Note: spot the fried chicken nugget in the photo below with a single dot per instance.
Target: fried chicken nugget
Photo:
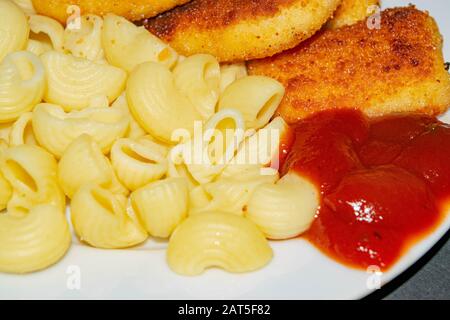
(130, 9)
(351, 11)
(397, 68)
(237, 30)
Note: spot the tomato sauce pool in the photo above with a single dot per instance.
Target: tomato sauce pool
(384, 182)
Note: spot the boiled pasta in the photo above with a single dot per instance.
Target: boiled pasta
(223, 134)
(55, 129)
(73, 82)
(286, 209)
(5, 129)
(22, 84)
(230, 194)
(161, 205)
(31, 172)
(83, 162)
(215, 239)
(256, 97)
(135, 130)
(85, 41)
(259, 153)
(157, 104)
(101, 220)
(14, 28)
(230, 73)
(138, 162)
(127, 45)
(26, 6)
(34, 240)
(198, 78)
(22, 131)
(48, 32)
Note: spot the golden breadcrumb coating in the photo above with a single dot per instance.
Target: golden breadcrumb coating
(130, 9)
(352, 11)
(397, 68)
(237, 30)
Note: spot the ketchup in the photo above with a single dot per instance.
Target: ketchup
(384, 182)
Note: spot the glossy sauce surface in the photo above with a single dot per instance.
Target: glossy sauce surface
(384, 182)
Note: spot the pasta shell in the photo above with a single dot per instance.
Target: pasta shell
(22, 84)
(198, 78)
(85, 41)
(259, 152)
(74, 82)
(127, 45)
(286, 209)
(138, 163)
(161, 206)
(229, 73)
(83, 162)
(48, 32)
(26, 6)
(100, 219)
(256, 97)
(135, 130)
(233, 194)
(220, 240)
(14, 28)
(31, 171)
(5, 192)
(55, 130)
(22, 131)
(157, 104)
(206, 156)
(34, 240)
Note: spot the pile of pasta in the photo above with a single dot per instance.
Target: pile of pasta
(87, 117)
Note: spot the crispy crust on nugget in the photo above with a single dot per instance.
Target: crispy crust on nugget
(237, 30)
(130, 9)
(397, 68)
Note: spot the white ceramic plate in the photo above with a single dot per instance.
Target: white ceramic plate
(298, 271)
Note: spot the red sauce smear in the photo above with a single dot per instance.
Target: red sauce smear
(384, 182)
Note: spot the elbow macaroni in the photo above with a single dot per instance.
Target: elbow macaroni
(138, 162)
(286, 209)
(229, 194)
(22, 131)
(83, 162)
(256, 97)
(198, 78)
(55, 129)
(101, 220)
(161, 206)
(22, 84)
(73, 82)
(135, 131)
(34, 233)
(215, 239)
(86, 41)
(223, 135)
(127, 45)
(230, 73)
(47, 32)
(33, 241)
(157, 104)
(117, 96)
(14, 28)
(31, 172)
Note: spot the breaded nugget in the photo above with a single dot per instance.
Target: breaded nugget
(350, 12)
(397, 68)
(237, 30)
(130, 9)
